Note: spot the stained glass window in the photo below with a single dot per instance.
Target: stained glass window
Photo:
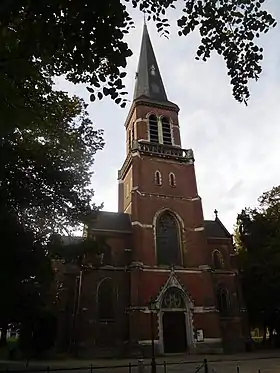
(168, 240)
(105, 300)
(218, 260)
(173, 299)
(223, 301)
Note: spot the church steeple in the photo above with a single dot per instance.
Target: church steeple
(148, 79)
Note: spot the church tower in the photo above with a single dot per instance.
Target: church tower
(172, 283)
(158, 175)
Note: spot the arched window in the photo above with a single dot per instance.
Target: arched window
(158, 179)
(168, 240)
(105, 300)
(172, 180)
(153, 128)
(218, 260)
(223, 300)
(173, 299)
(166, 131)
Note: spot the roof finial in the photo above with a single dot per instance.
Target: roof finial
(216, 213)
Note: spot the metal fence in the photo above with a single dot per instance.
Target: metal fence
(141, 366)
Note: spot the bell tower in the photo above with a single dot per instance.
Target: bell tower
(158, 174)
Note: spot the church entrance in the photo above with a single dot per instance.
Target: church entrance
(174, 332)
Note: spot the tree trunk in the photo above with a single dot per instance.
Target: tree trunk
(3, 339)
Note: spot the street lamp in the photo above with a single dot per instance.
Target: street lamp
(153, 310)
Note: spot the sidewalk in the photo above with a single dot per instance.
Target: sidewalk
(110, 363)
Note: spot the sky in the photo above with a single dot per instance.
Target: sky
(236, 148)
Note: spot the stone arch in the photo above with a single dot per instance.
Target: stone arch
(164, 209)
(172, 179)
(158, 178)
(168, 239)
(105, 300)
(176, 306)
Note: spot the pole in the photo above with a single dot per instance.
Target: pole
(206, 370)
(153, 362)
(76, 313)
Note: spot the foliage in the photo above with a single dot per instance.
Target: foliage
(38, 334)
(81, 252)
(46, 150)
(25, 272)
(84, 40)
(257, 238)
(47, 144)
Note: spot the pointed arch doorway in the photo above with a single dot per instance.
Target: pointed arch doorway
(176, 325)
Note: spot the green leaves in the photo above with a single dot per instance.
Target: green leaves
(229, 28)
(85, 41)
(257, 239)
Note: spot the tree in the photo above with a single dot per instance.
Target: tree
(84, 40)
(257, 240)
(25, 273)
(47, 145)
(45, 169)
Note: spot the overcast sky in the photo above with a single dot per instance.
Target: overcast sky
(236, 148)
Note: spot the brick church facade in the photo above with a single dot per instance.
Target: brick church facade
(168, 275)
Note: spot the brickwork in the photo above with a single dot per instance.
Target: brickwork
(159, 178)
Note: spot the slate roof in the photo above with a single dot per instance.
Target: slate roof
(112, 221)
(214, 228)
(121, 222)
(148, 79)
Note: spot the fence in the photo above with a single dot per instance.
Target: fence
(137, 367)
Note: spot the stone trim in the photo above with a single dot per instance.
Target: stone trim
(159, 195)
(109, 231)
(167, 270)
(211, 340)
(148, 342)
(154, 104)
(225, 272)
(201, 309)
(137, 308)
(136, 222)
(127, 207)
(199, 229)
(195, 310)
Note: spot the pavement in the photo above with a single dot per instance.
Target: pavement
(260, 362)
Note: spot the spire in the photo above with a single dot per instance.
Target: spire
(148, 80)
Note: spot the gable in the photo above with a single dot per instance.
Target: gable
(173, 282)
(215, 229)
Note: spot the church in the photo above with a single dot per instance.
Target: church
(168, 282)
